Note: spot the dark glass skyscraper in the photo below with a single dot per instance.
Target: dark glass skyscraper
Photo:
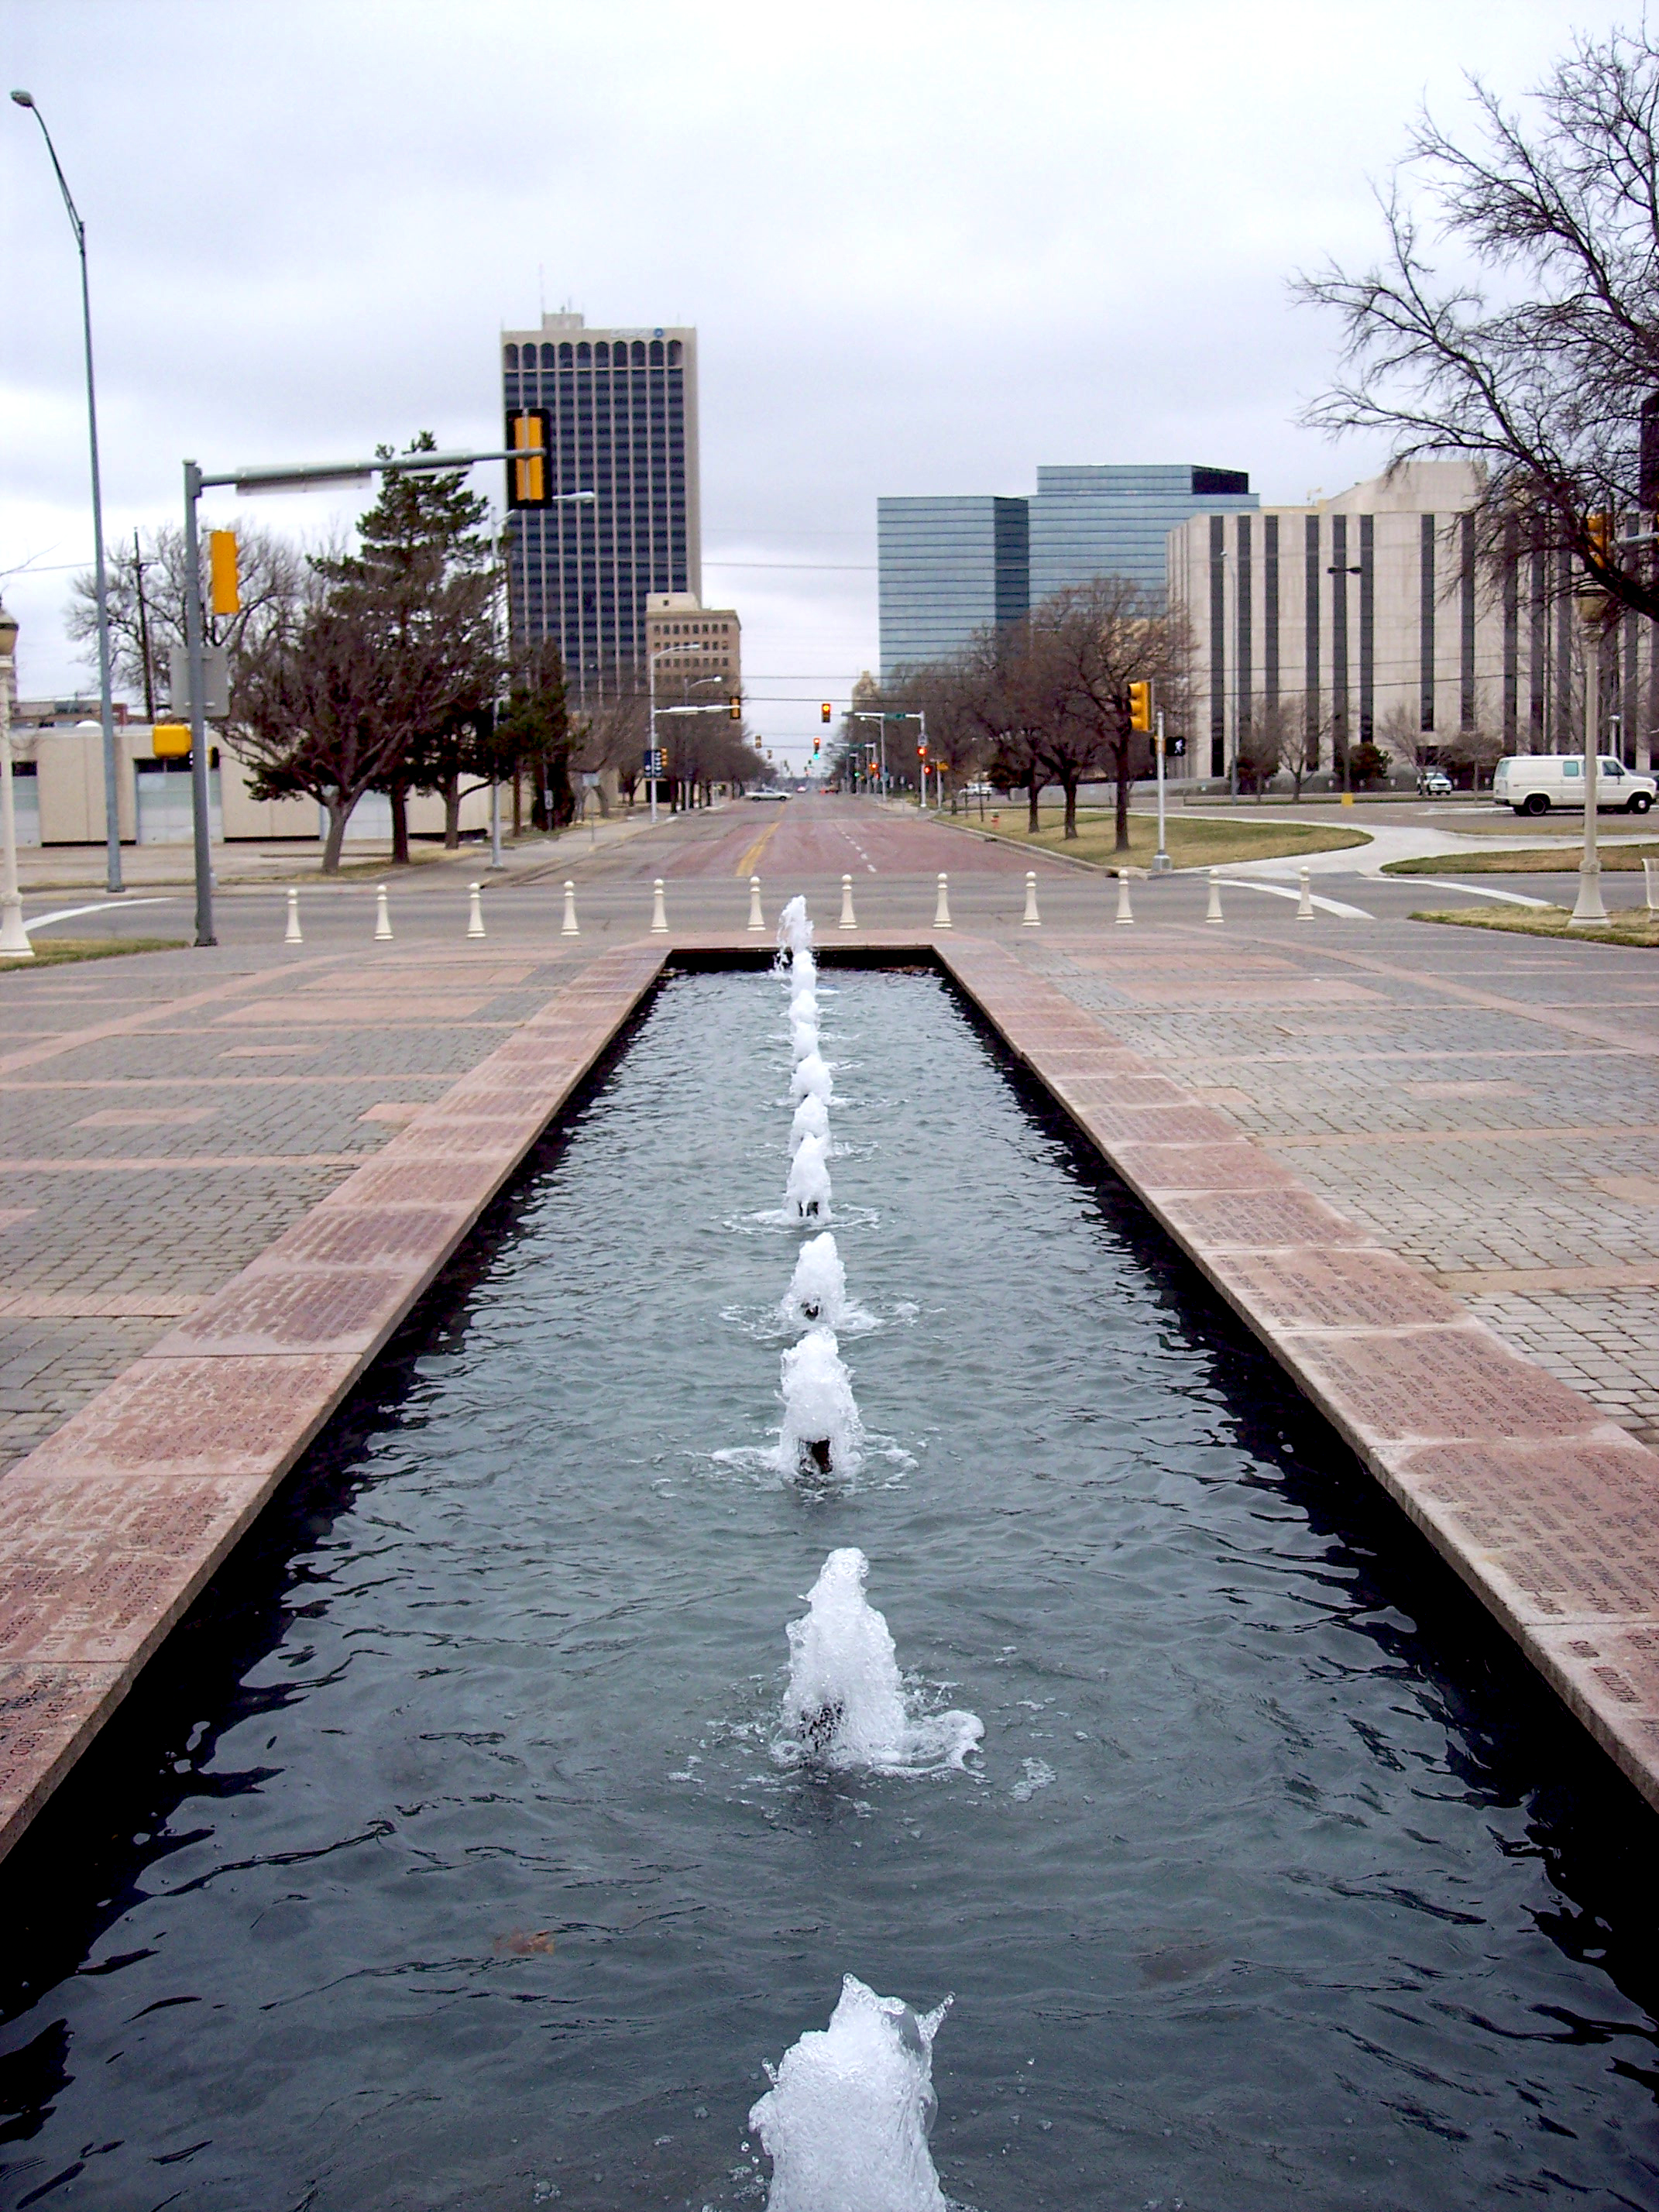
(622, 410)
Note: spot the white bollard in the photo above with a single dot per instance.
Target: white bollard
(1304, 901)
(756, 919)
(1123, 911)
(1030, 919)
(659, 913)
(382, 918)
(292, 935)
(1650, 877)
(475, 910)
(1213, 912)
(569, 928)
(942, 908)
(848, 921)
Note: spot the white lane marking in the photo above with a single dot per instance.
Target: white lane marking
(104, 906)
(1511, 898)
(1283, 891)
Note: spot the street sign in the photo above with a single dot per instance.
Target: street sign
(215, 681)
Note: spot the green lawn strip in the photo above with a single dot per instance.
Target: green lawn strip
(1636, 925)
(54, 951)
(1191, 844)
(1535, 861)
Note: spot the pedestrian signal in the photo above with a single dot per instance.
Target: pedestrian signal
(529, 482)
(1140, 706)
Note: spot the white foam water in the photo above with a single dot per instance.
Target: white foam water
(847, 2119)
(808, 1187)
(817, 1289)
(822, 1431)
(845, 1704)
(795, 929)
(811, 1119)
(813, 1079)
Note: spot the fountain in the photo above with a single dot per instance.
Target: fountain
(822, 1431)
(811, 1119)
(795, 930)
(817, 1289)
(811, 1078)
(845, 1704)
(847, 2119)
(808, 1187)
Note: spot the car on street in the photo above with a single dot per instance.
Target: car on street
(1532, 783)
(1435, 783)
(766, 791)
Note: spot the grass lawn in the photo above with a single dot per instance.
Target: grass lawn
(1192, 843)
(1635, 925)
(1539, 860)
(55, 951)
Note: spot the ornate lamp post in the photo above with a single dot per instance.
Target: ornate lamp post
(1593, 605)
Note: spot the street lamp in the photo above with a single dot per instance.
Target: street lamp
(106, 709)
(13, 938)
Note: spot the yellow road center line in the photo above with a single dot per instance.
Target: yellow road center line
(751, 861)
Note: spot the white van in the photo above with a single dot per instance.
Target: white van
(1531, 783)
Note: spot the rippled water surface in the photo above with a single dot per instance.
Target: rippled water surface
(445, 1861)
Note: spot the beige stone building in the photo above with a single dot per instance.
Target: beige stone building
(1370, 616)
(703, 646)
(58, 789)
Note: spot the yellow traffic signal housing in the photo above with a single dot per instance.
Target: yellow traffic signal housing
(824, 712)
(1598, 528)
(223, 582)
(528, 482)
(170, 741)
(734, 708)
(1140, 706)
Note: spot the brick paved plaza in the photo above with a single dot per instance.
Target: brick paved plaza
(1481, 1106)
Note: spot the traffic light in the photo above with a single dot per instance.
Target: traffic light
(816, 742)
(222, 572)
(734, 708)
(824, 712)
(1599, 529)
(1140, 706)
(528, 482)
(170, 741)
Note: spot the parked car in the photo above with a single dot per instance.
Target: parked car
(1434, 783)
(1532, 783)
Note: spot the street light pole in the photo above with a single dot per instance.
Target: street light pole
(106, 705)
(13, 938)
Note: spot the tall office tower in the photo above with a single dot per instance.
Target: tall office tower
(1113, 521)
(947, 567)
(622, 411)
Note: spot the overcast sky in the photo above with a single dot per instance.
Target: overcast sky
(925, 247)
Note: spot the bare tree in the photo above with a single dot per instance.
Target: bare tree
(1538, 373)
(271, 572)
(1106, 635)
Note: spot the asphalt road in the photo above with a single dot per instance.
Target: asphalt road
(807, 845)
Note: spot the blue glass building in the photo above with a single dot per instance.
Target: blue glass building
(951, 566)
(623, 408)
(948, 567)
(1115, 521)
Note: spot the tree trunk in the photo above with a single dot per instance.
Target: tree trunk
(518, 802)
(1034, 790)
(452, 789)
(399, 796)
(1069, 786)
(1121, 821)
(338, 811)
